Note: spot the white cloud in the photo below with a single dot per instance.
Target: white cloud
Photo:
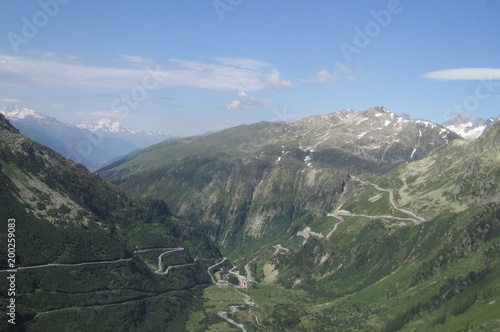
(136, 60)
(324, 76)
(244, 103)
(105, 114)
(346, 71)
(242, 62)
(273, 80)
(464, 74)
(209, 73)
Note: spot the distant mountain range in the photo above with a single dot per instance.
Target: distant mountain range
(467, 127)
(100, 143)
(94, 145)
(347, 221)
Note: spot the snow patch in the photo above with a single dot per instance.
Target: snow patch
(283, 152)
(364, 119)
(467, 130)
(426, 123)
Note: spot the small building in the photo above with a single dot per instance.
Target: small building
(243, 282)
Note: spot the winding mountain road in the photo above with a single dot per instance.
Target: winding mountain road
(159, 271)
(341, 220)
(212, 266)
(415, 218)
(160, 263)
(36, 267)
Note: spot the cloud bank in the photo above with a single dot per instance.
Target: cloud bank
(226, 74)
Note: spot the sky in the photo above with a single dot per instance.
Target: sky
(186, 67)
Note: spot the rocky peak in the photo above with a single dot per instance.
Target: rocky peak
(467, 127)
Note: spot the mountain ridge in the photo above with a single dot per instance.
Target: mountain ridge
(396, 138)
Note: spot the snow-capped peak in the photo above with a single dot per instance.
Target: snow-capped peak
(468, 128)
(107, 125)
(14, 112)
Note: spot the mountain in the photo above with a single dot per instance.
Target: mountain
(467, 127)
(87, 255)
(414, 249)
(93, 145)
(260, 180)
(137, 137)
(349, 221)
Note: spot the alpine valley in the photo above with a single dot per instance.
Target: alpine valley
(364, 221)
(350, 221)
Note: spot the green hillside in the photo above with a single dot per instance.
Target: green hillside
(66, 216)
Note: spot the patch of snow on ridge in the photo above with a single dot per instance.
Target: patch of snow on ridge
(307, 160)
(426, 123)
(362, 120)
(467, 130)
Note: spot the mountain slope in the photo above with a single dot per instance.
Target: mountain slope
(434, 274)
(338, 234)
(414, 249)
(95, 236)
(265, 180)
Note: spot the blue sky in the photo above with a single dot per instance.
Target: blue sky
(187, 67)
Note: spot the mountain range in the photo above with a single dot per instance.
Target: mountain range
(348, 221)
(94, 145)
(374, 221)
(105, 141)
(246, 177)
